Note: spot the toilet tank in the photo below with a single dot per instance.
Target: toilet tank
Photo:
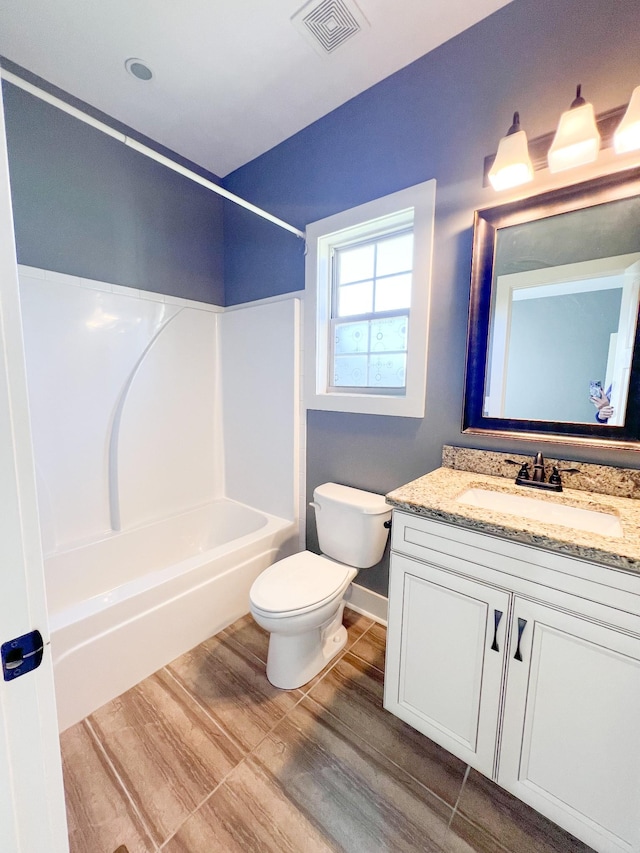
(350, 524)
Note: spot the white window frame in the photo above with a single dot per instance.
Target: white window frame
(412, 205)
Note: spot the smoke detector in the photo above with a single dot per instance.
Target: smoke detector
(328, 24)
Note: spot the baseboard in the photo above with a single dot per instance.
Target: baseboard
(367, 602)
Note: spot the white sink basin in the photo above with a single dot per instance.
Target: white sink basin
(538, 509)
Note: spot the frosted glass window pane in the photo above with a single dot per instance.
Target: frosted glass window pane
(355, 264)
(350, 370)
(395, 255)
(393, 293)
(351, 337)
(355, 299)
(390, 334)
(387, 371)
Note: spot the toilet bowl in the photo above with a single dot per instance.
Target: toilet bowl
(300, 600)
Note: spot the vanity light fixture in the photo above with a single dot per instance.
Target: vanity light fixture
(577, 140)
(617, 128)
(512, 165)
(627, 136)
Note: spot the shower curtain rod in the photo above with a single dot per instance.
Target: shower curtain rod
(10, 77)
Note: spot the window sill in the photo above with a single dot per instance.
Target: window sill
(368, 404)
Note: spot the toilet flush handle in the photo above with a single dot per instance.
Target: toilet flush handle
(314, 505)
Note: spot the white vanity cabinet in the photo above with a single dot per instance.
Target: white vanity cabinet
(451, 652)
(544, 698)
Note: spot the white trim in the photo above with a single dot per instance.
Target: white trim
(368, 603)
(564, 288)
(151, 295)
(415, 203)
(32, 813)
(301, 473)
(279, 297)
(577, 277)
(119, 289)
(145, 150)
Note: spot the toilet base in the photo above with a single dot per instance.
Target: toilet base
(294, 659)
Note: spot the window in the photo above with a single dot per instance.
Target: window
(368, 272)
(371, 300)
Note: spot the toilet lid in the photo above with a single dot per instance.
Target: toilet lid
(298, 582)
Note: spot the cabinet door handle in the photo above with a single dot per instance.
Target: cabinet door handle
(521, 627)
(497, 616)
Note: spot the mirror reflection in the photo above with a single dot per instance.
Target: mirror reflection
(561, 341)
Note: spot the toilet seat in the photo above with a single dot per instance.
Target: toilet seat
(298, 584)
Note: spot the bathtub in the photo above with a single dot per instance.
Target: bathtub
(124, 606)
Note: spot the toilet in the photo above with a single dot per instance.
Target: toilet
(300, 600)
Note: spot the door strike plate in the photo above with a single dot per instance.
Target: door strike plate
(21, 655)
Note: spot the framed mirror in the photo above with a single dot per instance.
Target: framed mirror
(553, 347)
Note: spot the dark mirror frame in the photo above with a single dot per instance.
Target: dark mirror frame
(487, 223)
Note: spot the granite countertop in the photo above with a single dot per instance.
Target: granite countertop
(434, 496)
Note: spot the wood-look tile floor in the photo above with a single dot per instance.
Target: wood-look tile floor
(205, 756)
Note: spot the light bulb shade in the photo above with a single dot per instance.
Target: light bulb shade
(577, 140)
(627, 136)
(512, 165)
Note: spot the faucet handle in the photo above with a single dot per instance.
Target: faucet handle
(554, 479)
(523, 473)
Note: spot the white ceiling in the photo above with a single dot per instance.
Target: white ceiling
(232, 78)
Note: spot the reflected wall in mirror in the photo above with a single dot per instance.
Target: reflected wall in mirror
(553, 333)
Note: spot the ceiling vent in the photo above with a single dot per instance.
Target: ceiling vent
(328, 24)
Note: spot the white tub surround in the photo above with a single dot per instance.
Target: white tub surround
(163, 494)
(122, 392)
(260, 366)
(164, 447)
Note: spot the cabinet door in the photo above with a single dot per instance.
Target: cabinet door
(445, 655)
(571, 730)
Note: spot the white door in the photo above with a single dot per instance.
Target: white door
(445, 655)
(32, 814)
(571, 739)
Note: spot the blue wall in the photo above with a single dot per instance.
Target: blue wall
(87, 205)
(437, 118)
